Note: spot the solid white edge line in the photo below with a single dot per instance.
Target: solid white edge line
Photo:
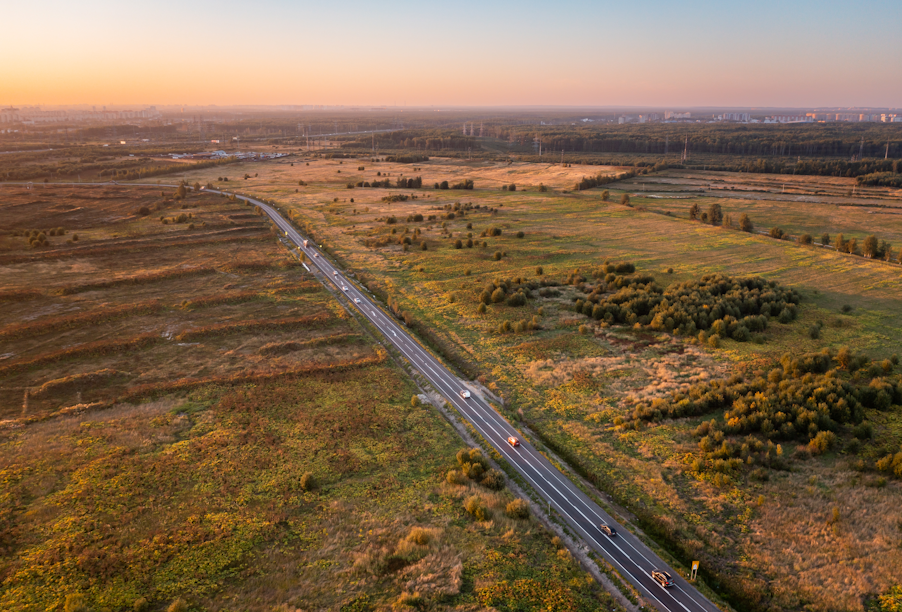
(493, 416)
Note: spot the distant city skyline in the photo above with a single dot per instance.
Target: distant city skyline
(801, 54)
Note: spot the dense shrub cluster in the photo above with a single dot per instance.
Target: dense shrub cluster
(518, 327)
(180, 218)
(884, 179)
(410, 183)
(407, 159)
(395, 197)
(590, 182)
(515, 292)
(807, 398)
(517, 509)
(473, 466)
(729, 307)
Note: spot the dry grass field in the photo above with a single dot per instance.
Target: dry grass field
(185, 413)
(796, 204)
(774, 543)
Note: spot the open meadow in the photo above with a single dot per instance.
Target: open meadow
(528, 290)
(187, 414)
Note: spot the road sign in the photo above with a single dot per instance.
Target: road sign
(694, 570)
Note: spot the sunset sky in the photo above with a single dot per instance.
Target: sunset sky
(765, 53)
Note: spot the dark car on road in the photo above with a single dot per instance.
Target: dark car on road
(662, 578)
(606, 529)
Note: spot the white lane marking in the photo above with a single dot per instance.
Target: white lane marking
(687, 594)
(558, 491)
(494, 417)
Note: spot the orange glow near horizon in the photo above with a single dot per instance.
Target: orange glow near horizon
(517, 55)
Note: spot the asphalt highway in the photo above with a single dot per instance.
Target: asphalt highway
(628, 554)
(624, 551)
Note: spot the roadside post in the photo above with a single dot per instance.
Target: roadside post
(694, 571)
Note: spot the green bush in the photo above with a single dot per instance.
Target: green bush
(517, 509)
(307, 482)
(516, 299)
(822, 442)
(493, 480)
(75, 603)
(456, 477)
(178, 605)
(475, 506)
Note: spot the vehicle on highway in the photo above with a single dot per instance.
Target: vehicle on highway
(465, 394)
(343, 288)
(316, 254)
(662, 578)
(334, 272)
(606, 529)
(305, 243)
(356, 300)
(513, 441)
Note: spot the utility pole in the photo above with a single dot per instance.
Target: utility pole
(860, 149)
(886, 155)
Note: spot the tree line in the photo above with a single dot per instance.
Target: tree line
(808, 140)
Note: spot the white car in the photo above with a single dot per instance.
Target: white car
(343, 288)
(465, 394)
(334, 272)
(316, 254)
(356, 300)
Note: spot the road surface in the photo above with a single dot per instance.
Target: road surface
(624, 551)
(628, 554)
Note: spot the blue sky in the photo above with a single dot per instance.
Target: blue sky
(463, 53)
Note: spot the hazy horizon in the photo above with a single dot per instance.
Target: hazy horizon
(575, 54)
